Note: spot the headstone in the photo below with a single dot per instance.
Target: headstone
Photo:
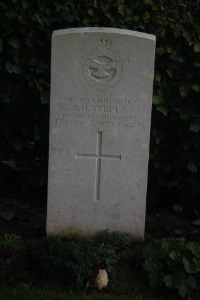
(101, 91)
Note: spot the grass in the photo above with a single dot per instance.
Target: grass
(34, 294)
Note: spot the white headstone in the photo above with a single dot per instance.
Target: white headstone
(101, 93)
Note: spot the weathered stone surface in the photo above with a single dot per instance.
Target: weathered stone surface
(101, 90)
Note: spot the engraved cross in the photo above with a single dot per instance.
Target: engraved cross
(98, 157)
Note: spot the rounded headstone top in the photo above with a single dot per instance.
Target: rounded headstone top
(104, 30)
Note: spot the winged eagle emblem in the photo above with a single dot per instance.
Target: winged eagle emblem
(99, 69)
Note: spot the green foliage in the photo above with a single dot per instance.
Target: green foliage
(10, 241)
(116, 240)
(52, 294)
(76, 260)
(173, 262)
(26, 28)
(52, 256)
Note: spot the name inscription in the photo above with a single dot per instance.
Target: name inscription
(98, 112)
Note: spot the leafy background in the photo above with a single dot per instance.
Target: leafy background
(25, 44)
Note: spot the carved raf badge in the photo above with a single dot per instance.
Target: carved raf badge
(102, 68)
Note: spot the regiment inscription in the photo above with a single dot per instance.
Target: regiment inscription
(100, 112)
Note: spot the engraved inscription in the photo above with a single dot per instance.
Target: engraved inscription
(98, 157)
(102, 68)
(99, 112)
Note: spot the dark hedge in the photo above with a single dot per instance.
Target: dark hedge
(26, 29)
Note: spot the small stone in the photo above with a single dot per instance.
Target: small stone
(6, 215)
(23, 286)
(196, 223)
(178, 207)
(101, 281)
